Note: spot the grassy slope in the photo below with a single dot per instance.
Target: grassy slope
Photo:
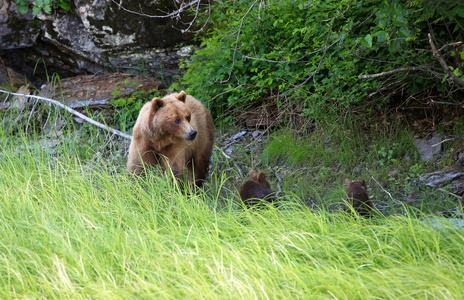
(313, 166)
(70, 229)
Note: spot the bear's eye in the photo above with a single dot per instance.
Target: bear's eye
(188, 119)
(177, 121)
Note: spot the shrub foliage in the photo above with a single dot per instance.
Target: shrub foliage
(311, 53)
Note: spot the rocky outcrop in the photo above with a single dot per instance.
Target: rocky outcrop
(17, 30)
(95, 36)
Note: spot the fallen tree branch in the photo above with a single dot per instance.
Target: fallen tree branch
(443, 64)
(389, 72)
(72, 111)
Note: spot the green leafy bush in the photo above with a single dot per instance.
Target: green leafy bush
(311, 53)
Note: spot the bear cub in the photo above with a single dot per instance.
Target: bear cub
(256, 188)
(175, 132)
(356, 195)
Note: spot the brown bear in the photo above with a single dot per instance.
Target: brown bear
(254, 188)
(176, 132)
(356, 196)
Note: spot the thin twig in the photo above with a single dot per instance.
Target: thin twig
(446, 103)
(394, 201)
(450, 44)
(448, 139)
(389, 72)
(175, 13)
(223, 153)
(338, 16)
(72, 111)
(362, 23)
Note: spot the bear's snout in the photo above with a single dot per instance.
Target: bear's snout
(191, 135)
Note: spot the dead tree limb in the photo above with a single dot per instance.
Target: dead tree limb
(443, 64)
(72, 111)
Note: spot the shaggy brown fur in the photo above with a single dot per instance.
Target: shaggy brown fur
(356, 195)
(177, 132)
(254, 188)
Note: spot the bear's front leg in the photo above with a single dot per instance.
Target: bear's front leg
(140, 153)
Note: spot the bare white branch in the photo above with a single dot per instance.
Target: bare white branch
(389, 72)
(72, 111)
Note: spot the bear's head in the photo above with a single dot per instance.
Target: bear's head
(259, 178)
(170, 116)
(356, 189)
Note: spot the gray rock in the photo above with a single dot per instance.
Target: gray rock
(239, 135)
(428, 148)
(96, 36)
(440, 178)
(17, 30)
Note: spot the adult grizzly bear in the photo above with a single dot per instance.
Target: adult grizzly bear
(177, 132)
(254, 188)
(356, 195)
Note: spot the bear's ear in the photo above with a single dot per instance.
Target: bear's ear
(253, 175)
(262, 177)
(347, 182)
(363, 183)
(156, 104)
(181, 96)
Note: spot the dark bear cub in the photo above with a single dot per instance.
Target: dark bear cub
(356, 195)
(255, 189)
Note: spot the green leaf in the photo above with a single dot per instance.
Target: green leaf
(47, 9)
(457, 72)
(401, 19)
(36, 10)
(23, 9)
(382, 36)
(64, 5)
(367, 41)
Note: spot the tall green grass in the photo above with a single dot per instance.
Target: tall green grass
(77, 228)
